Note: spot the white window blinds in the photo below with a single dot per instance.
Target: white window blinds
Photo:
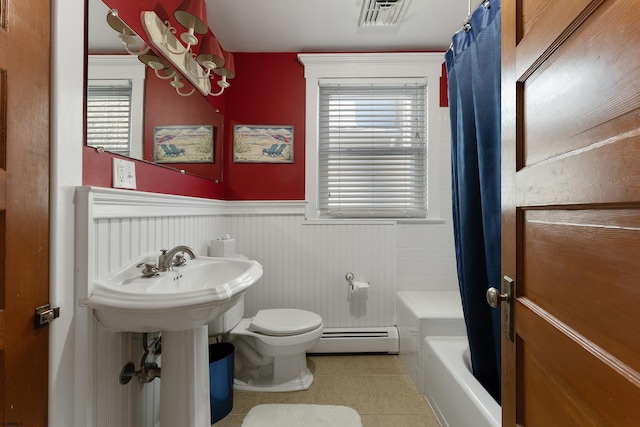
(372, 151)
(109, 117)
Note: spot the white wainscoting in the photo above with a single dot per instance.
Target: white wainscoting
(426, 257)
(112, 227)
(304, 263)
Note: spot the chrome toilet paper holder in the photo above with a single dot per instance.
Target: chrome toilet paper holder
(350, 277)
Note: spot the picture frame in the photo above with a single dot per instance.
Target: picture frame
(263, 144)
(183, 144)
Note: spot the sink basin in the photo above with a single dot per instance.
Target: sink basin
(178, 303)
(184, 298)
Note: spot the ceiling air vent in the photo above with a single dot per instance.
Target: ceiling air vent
(382, 13)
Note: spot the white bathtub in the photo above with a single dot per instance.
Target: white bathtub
(425, 314)
(455, 395)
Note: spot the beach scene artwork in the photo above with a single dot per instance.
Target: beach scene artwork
(183, 144)
(262, 144)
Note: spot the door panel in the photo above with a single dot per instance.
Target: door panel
(545, 409)
(24, 205)
(571, 212)
(606, 172)
(580, 94)
(577, 267)
(583, 378)
(540, 24)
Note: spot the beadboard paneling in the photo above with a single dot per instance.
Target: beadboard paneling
(305, 267)
(304, 263)
(113, 227)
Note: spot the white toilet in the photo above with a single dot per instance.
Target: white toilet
(270, 347)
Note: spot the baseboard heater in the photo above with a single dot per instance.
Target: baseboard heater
(358, 340)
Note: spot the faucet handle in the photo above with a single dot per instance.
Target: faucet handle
(179, 261)
(148, 270)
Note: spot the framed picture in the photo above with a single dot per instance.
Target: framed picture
(183, 144)
(262, 144)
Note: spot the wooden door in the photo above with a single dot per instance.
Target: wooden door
(24, 209)
(571, 211)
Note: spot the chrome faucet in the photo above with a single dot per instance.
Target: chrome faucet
(166, 259)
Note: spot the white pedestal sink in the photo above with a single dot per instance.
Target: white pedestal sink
(184, 390)
(179, 303)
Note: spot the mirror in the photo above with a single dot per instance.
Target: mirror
(181, 132)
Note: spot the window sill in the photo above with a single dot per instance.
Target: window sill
(422, 221)
(356, 221)
(353, 221)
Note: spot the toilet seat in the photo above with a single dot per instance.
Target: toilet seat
(284, 322)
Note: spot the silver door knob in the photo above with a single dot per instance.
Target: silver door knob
(494, 297)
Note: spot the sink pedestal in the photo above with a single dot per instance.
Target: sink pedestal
(185, 299)
(184, 384)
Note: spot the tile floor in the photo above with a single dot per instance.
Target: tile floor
(377, 386)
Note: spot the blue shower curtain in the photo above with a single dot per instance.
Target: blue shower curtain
(473, 72)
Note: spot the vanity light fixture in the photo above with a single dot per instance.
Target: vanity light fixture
(227, 72)
(192, 14)
(210, 55)
(126, 35)
(177, 84)
(158, 65)
(197, 68)
(212, 58)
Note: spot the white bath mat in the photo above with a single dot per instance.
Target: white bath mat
(289, 415)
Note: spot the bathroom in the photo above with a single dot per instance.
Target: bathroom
(258, 213)
(305, 262)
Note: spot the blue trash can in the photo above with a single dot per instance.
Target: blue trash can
(220, 380)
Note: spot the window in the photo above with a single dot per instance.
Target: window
(372, 150)
(109, 115)
(371, 136)
(115, 84)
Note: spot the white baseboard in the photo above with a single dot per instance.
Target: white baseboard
(358, 340)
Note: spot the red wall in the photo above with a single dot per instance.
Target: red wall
(96, 171)
(269, 90)
(444, 87)
(164, 107)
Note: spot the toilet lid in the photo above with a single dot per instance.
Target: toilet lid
(284, 321)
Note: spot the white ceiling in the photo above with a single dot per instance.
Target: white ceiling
(310, 26)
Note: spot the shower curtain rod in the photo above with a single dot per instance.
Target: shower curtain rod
(465, 25)
(468, 18)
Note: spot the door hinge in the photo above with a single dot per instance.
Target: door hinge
(45, 314)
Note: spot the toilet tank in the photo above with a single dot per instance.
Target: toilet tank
(232, 317)
(228, 320)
